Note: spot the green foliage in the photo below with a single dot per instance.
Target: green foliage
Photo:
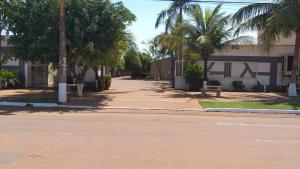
(209, 32)
(145, 61)
(174, 13)
(138, 63)
(214, 83)
(132, 61)
(194, 76)
(238, 85)
(8, 79)
(107, 82)
(96, 30)
(3, 15)
(117, 68)
(34, 25)
(270, 17)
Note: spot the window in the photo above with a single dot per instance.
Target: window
(227, 69)
(290, 63)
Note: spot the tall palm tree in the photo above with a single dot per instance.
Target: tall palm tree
(276, 20)
(173, 13)
(174, 42)
(62, 91)
(210, 33)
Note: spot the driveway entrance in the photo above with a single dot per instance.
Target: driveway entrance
(126, 92)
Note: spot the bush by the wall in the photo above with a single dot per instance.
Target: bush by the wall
(8, 79)
(238, 85)
(194, 76)
(107, 82)
(214, 83)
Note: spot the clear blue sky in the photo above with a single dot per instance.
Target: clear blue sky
(147, 11)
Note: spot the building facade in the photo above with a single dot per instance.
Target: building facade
(252, 65)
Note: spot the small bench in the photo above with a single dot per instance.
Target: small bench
(217, 89)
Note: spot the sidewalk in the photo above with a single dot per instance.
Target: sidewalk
(124, 93)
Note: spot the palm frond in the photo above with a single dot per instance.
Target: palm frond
(251, 11)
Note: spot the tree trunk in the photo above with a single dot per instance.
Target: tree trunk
(95, 68)
(72, 70)
(1, 57)
(101, 82)
(295, 70)
(102, 71)
(205, 60)
(173, 70)
(80, 80)
(62, 90)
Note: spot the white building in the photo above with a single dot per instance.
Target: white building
(252, 65)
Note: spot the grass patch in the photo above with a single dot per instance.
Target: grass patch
(250, 105)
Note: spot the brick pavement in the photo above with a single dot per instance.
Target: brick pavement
(125, 92)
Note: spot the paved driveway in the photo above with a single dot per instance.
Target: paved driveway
(148, 94)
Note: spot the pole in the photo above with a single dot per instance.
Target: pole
(62, 86)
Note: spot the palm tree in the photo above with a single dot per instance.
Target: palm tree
(62, 91)
(173, 13)
(276, 20)
(174, 42)
(210, 33)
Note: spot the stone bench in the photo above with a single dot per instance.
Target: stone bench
(217, 89)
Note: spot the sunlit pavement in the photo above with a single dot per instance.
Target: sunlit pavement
(148, 141)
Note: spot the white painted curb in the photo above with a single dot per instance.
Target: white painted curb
(17, 104)
(237, 110)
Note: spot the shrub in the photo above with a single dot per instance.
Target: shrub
(214, 83)
(238, 85)
(8, 79)
(107, 82)
(194, 76)
(104, 82)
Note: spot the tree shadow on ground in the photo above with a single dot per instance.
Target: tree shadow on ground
(90, 98)
(8, 111)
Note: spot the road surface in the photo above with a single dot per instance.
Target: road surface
(148, 141)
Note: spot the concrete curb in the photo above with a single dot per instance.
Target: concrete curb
(237, 110)
(229, 110)
(140, 108)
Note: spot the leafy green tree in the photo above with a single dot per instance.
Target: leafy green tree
(175, 43)
(132, 61)
(95, 32)
(279, 19)
(117, 68)
(3, 26)
(34, 28)
(209, 33)
(137, 62)
(146, 61)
